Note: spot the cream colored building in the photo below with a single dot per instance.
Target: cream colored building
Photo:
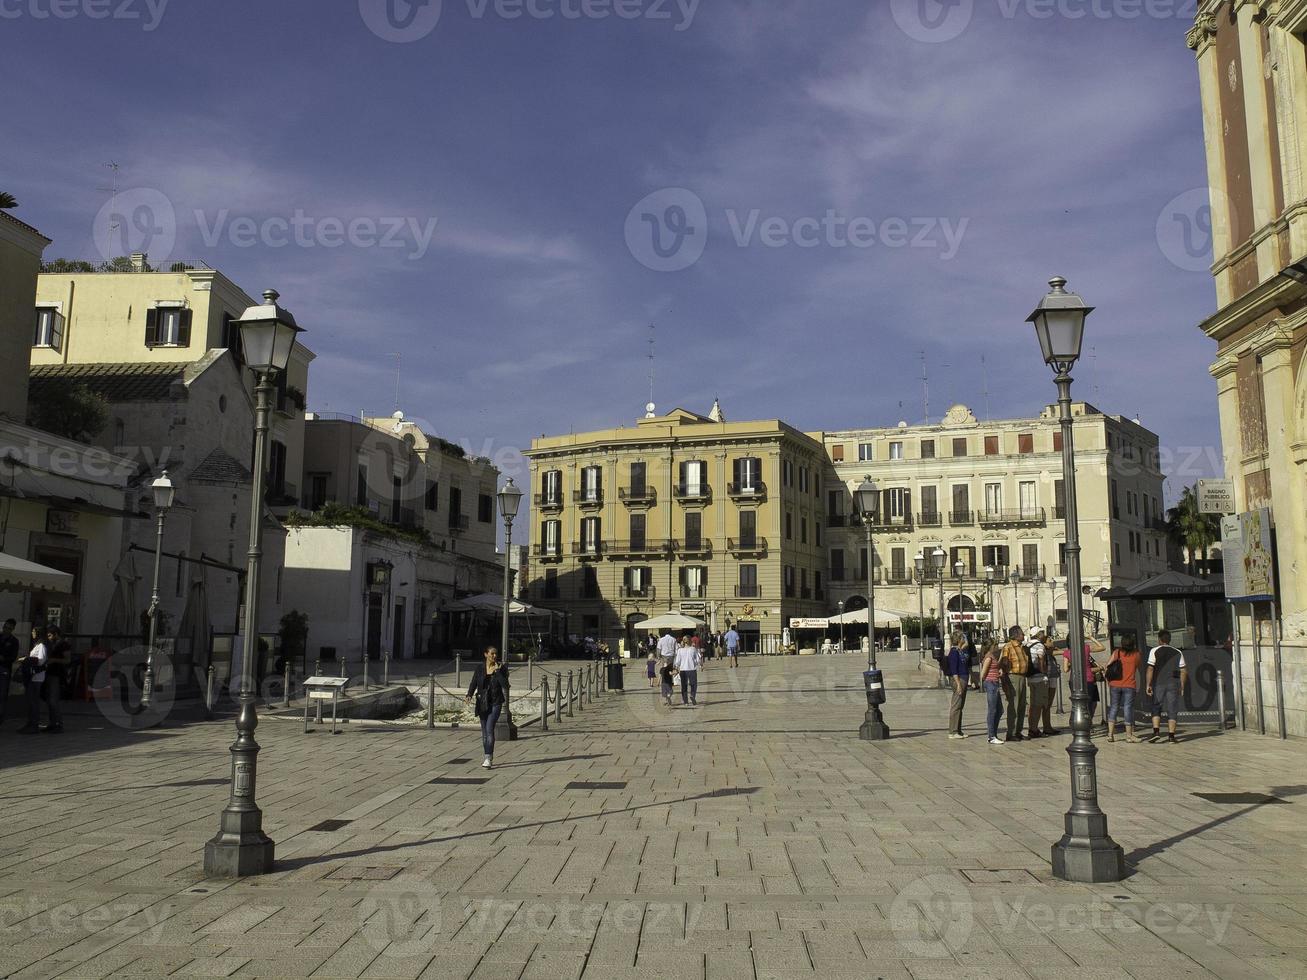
(717, 519)
(1252, 72)
(990, 494)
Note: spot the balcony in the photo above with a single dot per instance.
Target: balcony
(747, 546)
(457, 523)
(1059, 513)
(898, 576)
(693, 495)
(548, 501)
(748, 592)
(1026, 517)
(638, 592)
(837, 520)
(588, 550)
(1030, 573)
(701, 547)
(645, 496)
(747, 491)
(547, 552)
(962, 518)
(805, 592)
(588, 498)
(638, 548)
(932, 518)
(407, 517)
(891, 522)
(694, 592)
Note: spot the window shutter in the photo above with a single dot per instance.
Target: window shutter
(682, 470)
(737, 468)
(57, 330)
(152, 327)
(184, 328)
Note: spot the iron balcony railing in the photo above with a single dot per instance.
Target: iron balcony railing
(747, 546)
(747, 491)
(1026, 516)
(962, 518)
(457, 523)
(639, 592)
(899, 576)
(638, 547)
(548, 551)
(930, 518)
(693, 494)
(891, 522)
(837, 520)
(549, 501)
(692, 547)
(588, 498)
(638, 496)
(748, 592)
(588, 549)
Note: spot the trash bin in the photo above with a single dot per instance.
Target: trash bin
(615, 676)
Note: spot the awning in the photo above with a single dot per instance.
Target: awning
(492, 603)
(670, 621)
(884, 617)
(21, 575)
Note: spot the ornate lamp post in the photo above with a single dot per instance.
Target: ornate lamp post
(873, 726)
(919, 562)
(989, 595)
(959, 567)
(163, 497)
(938, 559)
(241, 847)
(840, 606)
(510, 497)
(1086, 851)
(1014, 577)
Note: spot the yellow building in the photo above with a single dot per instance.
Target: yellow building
(716, 519)
(1252, 69)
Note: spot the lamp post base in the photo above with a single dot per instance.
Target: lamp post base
(873, 728)
(1086, 858)
(241, 848)
(504, 727)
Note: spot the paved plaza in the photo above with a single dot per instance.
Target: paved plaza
(752, 836)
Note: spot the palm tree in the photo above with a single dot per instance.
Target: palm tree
(1191, 529)
(7, 200)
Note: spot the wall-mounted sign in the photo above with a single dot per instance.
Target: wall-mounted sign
(1216, 496)
(61, 522)
(808, 624)
(1246, 553)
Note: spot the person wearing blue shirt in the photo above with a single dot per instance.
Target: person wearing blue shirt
(957, 670)
(733, 646)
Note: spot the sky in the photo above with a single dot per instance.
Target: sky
(491, 201)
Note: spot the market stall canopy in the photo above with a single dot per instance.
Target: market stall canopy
(884, 617)
(671, 621)
(18, 574)
(1168, 585)
(491, 602)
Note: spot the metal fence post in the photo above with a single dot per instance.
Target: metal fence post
(1220, 698)
(458, 670)
(569, 694)
(208, 693)
(365, 670)
(286, 687)
(558, 697)
(530, 671)
(544, 704)
(431, 701)
(386, 662)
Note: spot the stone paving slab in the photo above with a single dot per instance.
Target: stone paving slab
(755, 837)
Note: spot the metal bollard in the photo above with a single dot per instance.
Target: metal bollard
(530, 672)
(208, 693)
(458, 670)
(1220, 697)
(544, 704)
(365, 670)
(569, 694)
(342, 666)
(558, 697)
(386, 667)
(431, 701)
(286, 687)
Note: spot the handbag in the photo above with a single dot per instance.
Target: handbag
(1115, 669)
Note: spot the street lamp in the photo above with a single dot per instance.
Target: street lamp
(510, 498)
(1086, 851)
(241, 847)
(840, 606)
(919, 560)
(989, 595)
(959, 567)
(873, 726)
(938, 559)
(163, 497)
(1014, 577)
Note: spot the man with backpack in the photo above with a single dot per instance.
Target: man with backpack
(1165, 680)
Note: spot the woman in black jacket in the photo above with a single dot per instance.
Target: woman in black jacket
(489, 688)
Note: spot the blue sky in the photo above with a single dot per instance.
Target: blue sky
(971, 149)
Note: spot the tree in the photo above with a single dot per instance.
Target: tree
(7, 200)
(1188, 528)
(67, 408)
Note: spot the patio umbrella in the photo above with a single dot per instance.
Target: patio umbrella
(191, 646)
(19, 575)
(671, 621)
(120, 619)
(884, 617)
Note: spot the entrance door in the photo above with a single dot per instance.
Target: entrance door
(376, 612)
(54, 609)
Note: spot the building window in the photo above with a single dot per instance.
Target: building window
(816, 526)
(317, 491)
(1027, 497)
(168, 326)
(1030, 560)
(929, 505)
(1057, 440)
(866, 452)
(896, 505)
(896, 450)
(862, 564)
(1116, 503)
(748, 587)
(835, 506)
(787, 473)
(1116, 553)
(960, 446)
(551, 583)
(694, 478)
(637, 581)
(361, 486)
(748, 473)
(590, 539)
(789, 526)
(590, 582)
(396, 498)
(551, 488)
(455, 506)
(965, 554)
(898, 563)
(927, 448)
(789, 581)
(432, 500)
(991, 445)
(1059, 499)
(816, 584)
(803, 584)
(961, 501)
(748, 528)
(1026, 443)
(276, 469)
(485, 508)
(694, 582)
(638, 480)
(837, 564)
(637, 532)
(837, 453)
(550, 534)
(993, 498)
(995, 556)
(231, 338)
(49, 328)
(803, 530)
(592, 484)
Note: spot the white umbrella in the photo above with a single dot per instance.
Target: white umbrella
(884, 617)
(491, 602)
(18, 574)
(671, 621)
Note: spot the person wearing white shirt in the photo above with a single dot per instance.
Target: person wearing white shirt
(667, 646)
(688, 660)
(37, 658)
(1168, 674)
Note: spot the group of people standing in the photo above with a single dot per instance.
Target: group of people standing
(1024, 673)
(41, 672)
(672, 658)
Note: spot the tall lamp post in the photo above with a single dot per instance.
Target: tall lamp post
(1014, 577)
(510, 497)
(989, 596)
(1086, 851)
(241, 847)
(873, 726)
(938, 559)
(919, 561)
(959, 567)
(840, 606)
(163, 497)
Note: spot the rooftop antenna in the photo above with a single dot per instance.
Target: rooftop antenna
(114, 225)
(925, 389)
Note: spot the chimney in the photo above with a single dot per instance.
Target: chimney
(138, 261)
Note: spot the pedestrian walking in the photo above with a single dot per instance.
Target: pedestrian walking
(8, 655)
(1166, 679)
(991, 678)
(33, 675)
(957, 668)
(667, 645)
(58, 661)
(688, 660)
(733, 646)
(489, 692)
(1053, 673)
(667, 672)
(1122, 681)
(1014, 661)
(652, 668)
(1037, 682)
(973, 663)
